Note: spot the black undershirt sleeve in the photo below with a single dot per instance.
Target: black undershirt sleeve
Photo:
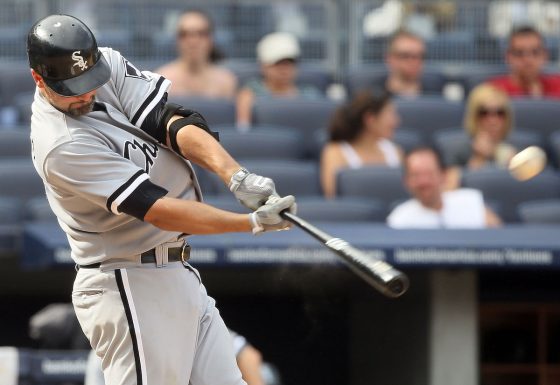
(142, 199)
(152, 124)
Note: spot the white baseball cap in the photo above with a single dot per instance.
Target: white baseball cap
(277, 46)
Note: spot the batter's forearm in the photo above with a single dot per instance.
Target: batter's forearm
(192, 217)
(200, 147)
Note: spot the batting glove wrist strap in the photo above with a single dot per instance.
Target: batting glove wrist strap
(237, 178)
(251, 190)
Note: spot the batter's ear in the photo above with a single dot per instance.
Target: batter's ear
(38, 79)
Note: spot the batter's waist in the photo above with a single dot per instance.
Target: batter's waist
(153, 256)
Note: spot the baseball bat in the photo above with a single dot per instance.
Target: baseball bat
(382, 276)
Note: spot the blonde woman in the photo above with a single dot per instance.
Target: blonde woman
(488, 121)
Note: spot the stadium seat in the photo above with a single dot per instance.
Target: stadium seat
(455, 46)
(15, 79)
(540, 116)
(375, 182)
(427, 115)
(408, 138)
(299, 178)
(554, 144)
(480, 74)
(264, 143)
(341, 210)
(22, 102)
(215, 111)
(304, 115)
(540, 212)
(20, 179)
(499, 185)
(15, 143)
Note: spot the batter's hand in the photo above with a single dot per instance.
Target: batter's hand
(267, 217)
(250, 189)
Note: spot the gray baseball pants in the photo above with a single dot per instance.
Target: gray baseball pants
(154, 326)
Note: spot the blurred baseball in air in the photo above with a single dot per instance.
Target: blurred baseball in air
(528, 163)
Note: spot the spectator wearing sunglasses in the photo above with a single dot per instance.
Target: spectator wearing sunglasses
(278, 55)
(195, 71)
(527, 58)
(405, 63)
(488, 121)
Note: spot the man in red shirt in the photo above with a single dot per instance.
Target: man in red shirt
(526, 57)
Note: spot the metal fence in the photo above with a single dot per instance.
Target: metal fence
(333, 33)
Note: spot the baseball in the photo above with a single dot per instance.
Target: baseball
(528, 163)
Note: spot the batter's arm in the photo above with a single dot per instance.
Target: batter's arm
(191, 217)
(200, 147)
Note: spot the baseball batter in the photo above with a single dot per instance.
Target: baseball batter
(112, 153)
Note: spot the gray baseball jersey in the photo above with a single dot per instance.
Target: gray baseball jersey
(149, 324)
(92, 163)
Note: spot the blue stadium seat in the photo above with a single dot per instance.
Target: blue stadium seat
(540, 212)
(20, 179)
(540, 116)
(215, 111)
(380, 183)
(264, 143)
(499, 185)
(341, 209)
(453, 46)
(15, 79)
(408, 138)
(15, 143)
(304, 115)
(554, 143)
(299, 178)
(22, 102)
(427, 115)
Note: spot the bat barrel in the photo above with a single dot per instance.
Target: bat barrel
(379, 274)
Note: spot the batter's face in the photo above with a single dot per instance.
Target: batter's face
(73, 105)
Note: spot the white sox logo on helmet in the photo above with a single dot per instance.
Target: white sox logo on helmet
(80, 62)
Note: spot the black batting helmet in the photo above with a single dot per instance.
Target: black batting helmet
(64, 52)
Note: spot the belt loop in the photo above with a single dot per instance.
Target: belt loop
(162, 256)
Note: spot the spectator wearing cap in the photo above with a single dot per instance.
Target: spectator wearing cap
(278, 54)
(527, 57)
(430, 206)
(195, 72)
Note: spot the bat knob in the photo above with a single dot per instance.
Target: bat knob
(397, 286)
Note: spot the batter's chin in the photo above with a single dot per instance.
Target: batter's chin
(82, 110)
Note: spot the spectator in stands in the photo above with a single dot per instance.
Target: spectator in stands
(527, 57)
(405, 63)
(488, 121)
(360, 134)
(195, 72)
(278, 55)
(431, 206)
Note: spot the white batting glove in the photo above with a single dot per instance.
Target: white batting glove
(267, 217)
(251, 190)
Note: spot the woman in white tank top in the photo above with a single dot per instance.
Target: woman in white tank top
(360, 134)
